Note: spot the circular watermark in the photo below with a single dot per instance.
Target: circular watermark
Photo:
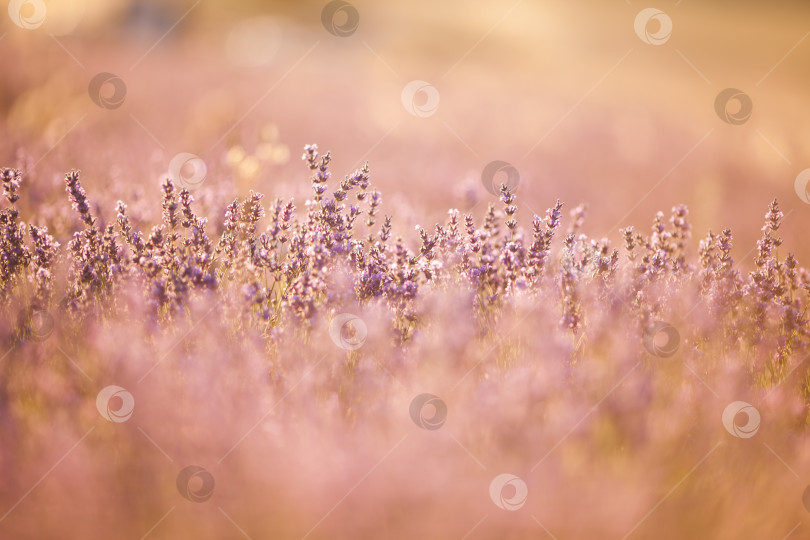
(426, 401)
(497, 173)
(195, 484)
(661, 339)
(27, 14)
(731, 115)
(340, 18)
(187, 170)
(420, 98)
(115, 404)
(107, 90)
(348, 331)
(508, 492)
(747, 429)
(653, 26)
(36, 324)
(802, 186)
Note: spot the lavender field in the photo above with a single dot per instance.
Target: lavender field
(399, 270)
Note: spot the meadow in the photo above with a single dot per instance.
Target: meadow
(213, 327)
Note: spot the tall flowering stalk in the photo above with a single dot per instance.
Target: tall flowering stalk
(278, 267)
(14, 254)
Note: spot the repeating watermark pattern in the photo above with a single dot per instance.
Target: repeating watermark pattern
(661, 339)
(36, 324)
(115, 404)
(735, 116)
(340, 18)
(513, 272)
(802, 186)
(27, 14)
(751, 425)
(348, 331)
(195, 484)
(420, 98)
(417, 410)
(107, 90)
(187, 170)
(653, 26)
(508, 492)
(497, 173)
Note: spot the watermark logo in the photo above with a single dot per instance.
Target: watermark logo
(802, 186)
(195, 484)
(348, 331)
(661, 339)
(115, 404)
(733, 115)
(731, 415)
(420, 98)
(107, 90)
(424, 403)
(340, 18)
(497, 173)
(27, 14)
(508, 492)
(187, 170)
(653, 26)
(36, 324)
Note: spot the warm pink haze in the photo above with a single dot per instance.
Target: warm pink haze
(363, 270)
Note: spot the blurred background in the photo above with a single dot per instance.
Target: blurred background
(585, 105)
(611, 103)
